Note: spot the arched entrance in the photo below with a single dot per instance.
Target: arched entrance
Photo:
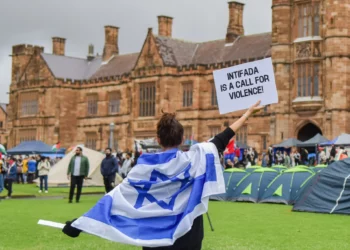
(308, 131)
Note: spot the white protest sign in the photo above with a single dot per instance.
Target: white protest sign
(241, 86)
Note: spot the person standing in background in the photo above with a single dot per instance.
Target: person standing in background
(25, 168)
(127, 165)
(109, 169)
(44, 169)
(38, 159)
(333, 152)
(11, 177)
(270, 153)
(20, 171)
(287, 162)
(78, 170)
(31, 170)
(2, 173)
(256, 156)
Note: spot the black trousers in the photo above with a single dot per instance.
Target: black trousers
(30, 178)
(192, 240)
(109, 182)
(76, 181)
(20, 176)
(8, 186)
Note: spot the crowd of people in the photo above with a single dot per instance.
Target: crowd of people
(24, 170)
(287, 157)
(115, 167)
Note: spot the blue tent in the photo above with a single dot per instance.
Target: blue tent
(232, 177)
(328, 192)
(30, 147)
(318, 168)
(286, 187)
(279, 168)
(252, 187)
(251, 169)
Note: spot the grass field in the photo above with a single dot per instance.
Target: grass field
(32, 189)
(240, 226)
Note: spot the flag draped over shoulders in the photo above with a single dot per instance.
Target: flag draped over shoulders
(159, 200)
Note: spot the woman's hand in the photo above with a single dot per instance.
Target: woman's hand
(254, 109)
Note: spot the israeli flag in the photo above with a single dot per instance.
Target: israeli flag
(159, 200)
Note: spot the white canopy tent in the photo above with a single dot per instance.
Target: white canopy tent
(58, 173)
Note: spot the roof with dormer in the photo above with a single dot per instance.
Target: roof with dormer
(174, 53)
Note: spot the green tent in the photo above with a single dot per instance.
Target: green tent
(232, 177)
(252, 187)
(279, 168)
(251, 169)
(286, 187)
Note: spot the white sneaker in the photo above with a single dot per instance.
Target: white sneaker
(40, 191)
(46, 192)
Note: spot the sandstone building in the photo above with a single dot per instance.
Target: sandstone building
(3, 123)
(54, 97)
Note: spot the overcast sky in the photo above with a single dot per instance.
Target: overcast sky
(81, 22)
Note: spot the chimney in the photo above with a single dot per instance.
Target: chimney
(111, 42)
(58, 46)
(165, 26)
(90, 55)
(235, 26)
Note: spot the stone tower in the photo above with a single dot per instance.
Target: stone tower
(310, 52)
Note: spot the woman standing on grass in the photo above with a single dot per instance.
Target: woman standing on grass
(10, 177)
(170, 136)
(44, 169)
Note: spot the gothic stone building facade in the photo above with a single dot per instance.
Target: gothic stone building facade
(3, 123)
(54, 97)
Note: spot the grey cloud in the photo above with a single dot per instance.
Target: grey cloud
(81, 23)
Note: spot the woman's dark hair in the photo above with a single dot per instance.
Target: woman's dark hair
(169, 131)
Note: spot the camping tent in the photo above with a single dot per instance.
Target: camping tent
(292, 142)
(58, 173)
(251, 169)
(343, 139)
(316, 140)
(232, 177)
(252, 187)
(279, 168)
(286, 187)
(30, 147)
(318, 168)
(328, 192)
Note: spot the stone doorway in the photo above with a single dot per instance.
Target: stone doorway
(308, 131)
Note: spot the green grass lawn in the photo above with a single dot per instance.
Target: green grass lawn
(32, 189)
(240, 226)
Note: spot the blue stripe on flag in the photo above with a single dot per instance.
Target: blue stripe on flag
(154, 159)
(210, 168)
(152, 228)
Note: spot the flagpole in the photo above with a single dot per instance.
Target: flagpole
(211, 225)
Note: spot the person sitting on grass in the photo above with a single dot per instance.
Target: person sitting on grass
(44, 169)
(10, 177)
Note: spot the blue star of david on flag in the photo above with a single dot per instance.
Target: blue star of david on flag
(159, 200)
(143, 188)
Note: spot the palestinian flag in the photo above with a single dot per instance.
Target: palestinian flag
(3, 149)
(56, 147)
